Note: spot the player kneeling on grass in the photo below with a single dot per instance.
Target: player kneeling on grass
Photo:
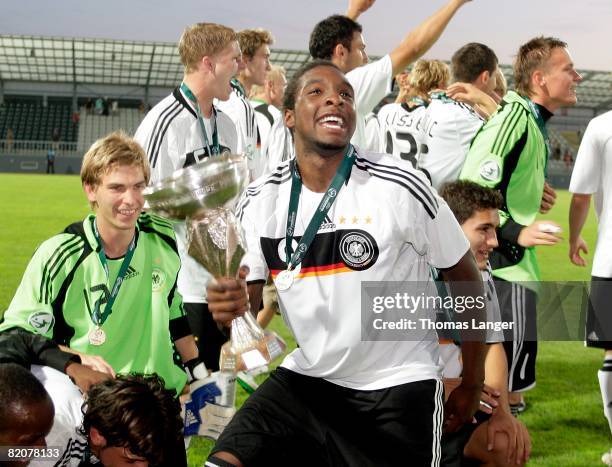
(497, 439)
(105, 288)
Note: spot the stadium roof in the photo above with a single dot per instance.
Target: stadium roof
(137, 63)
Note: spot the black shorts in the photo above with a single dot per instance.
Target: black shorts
(298, 420)
(599, 314)
(518, 305)
(453, 444)
(209, 338)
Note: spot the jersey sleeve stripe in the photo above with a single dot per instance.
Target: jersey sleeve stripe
(247, 199)
(278, 175)
(405, 183)
(153, 136)
(57, 267)
(411, 178)
(427, 207)
(67, 244)
(506, 129)
(165, 124)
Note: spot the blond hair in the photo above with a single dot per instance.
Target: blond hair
(501, 85)
(427, 75)
(532, 56)
(115, 149)
(276, 72)
(203, 39)
(251, 40)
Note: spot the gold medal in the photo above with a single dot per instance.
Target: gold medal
(97, 336)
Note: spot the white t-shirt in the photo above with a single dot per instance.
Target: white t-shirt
(448, 128)
(592, 174)
(172, 138)
(386, 224)
(371, 83)
(240, 110)
(400, 130)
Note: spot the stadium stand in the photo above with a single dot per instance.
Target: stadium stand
(93, 127)
(64, 73)
(31, 120)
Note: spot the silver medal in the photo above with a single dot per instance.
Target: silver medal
(97, 337)
(284, 280)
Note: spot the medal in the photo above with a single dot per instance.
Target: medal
(97, 337)
(284, 280)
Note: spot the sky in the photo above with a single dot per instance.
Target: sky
(502, 24)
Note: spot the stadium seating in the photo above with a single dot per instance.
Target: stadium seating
(33, 121)
(93, 127)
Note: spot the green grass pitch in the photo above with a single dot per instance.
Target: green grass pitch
(564, 418)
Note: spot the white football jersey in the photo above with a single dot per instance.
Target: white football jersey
(592, 174)
(371, 83)
(172, 138)
(386, 224)
(240, 110)
(400, 130)
(448, 128)
(274, 140)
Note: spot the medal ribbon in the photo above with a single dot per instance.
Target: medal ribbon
(293, 259)
(542, 126)
(213, 150)
(97, 317)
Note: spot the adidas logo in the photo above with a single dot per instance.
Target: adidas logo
(327, 224)
(593, 336)
(131, 272)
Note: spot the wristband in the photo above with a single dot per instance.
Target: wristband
(195, 369)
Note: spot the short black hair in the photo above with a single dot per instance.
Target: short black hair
(18, 387)
(472, 59)
(334, 30)
(465, 198)
(294, 82)
(135, 412)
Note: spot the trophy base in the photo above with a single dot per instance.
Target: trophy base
(259, 353)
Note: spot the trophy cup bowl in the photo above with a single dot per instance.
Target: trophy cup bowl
(203, 195)
(215, 182)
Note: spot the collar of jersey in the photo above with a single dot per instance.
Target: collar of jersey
(89, 233)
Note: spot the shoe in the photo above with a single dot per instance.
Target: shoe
(516, 409)
(607, 458)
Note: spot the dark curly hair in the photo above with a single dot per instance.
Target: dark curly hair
(465, 198)
(334, 30)
(135, 412)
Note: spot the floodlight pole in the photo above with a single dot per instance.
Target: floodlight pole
(147, 83)
(75, 105)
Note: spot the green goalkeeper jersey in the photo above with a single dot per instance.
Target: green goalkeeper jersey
(510, 154)
(65, 279)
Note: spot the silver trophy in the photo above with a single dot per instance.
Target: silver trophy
(204, 195)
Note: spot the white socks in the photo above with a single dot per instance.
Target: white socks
(605, 384)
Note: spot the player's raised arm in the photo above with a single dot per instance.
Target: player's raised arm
(420, 40)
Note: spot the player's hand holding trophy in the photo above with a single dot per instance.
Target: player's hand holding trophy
(204, 195)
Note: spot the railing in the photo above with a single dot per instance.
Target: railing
(37, 148)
